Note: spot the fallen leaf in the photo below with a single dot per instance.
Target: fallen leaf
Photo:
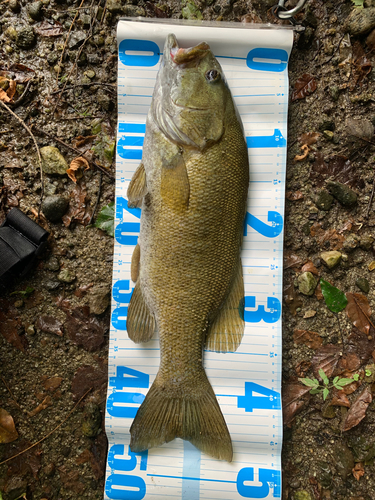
(77, 163)
(4, 96)
(335, 239)
(349, 362)
(71, 480)
(88, 377)
(358, 471)
(292, 299)
(49, 324)
(106, 219)
(12, 89)
(295, 396)
(305, 152)
(304, 86)
(82, 291)
(293, 261)
(326, 358)
(294, 196)
(334, 298)
(42, 406)
(361, 64)
(84, 328)
(48, 29)
(309, 138)
(371, 266)
(8, 431)
(99, 455)
(310, 268)
(311, 339)
(28, 462)
(51, 384)
(340, 399)
(81, 140)
(359, 312)
(78, 210)
(338, 168)
(357, 412)
(10, 325)
(302, 368)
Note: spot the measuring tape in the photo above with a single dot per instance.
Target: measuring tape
(247, 383)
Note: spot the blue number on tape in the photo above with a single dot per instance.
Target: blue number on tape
(261, 227)
(121, 293)
(277, 140)
(268, 477)
(134, 128)
(270, 400)
(130, 52)
(126, 464)
(117, 404)
(271, 316)
(262, 59)
(135, 378)
(116, 484)
(126, 227)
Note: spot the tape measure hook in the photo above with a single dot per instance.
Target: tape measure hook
(280, 11)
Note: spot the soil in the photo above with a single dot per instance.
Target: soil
(51, 375)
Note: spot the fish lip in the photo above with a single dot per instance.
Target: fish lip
(188, 107)
(171, 45)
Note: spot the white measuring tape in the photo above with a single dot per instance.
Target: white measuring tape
(247, 383)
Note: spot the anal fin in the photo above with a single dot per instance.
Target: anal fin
(226, 331)
(137, 188)
(140, 323)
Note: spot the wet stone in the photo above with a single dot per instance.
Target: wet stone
(53, 161)
(90, 73)
(324, 200)
(295, 483)
(328, 134)
(76, 39)
(363, 284)
(52, 285)
(26, 38)
(52, 58)
(66, 276)
(54, 207)
(351, 243)
(302, 495)
(307, 283)
(366, 241)
(99, 299)
(14, 6)
(342, 193)
(343, 459)
(360, 21)
(11, 33)
(52, 264)
(35, 10)
(331, 258)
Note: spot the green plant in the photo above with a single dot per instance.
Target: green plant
(337, 382)
(24, 293)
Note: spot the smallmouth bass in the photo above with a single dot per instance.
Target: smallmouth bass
(192, 185)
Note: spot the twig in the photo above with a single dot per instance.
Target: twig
(53, 430)
(79, 117)
(66, 41)
(371, 199)
(36, 146)
(112, 87)
(99, 167)
(104, 11)
(21, 98)
(97, 198)
(10, 392)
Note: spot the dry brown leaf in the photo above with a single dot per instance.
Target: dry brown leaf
(49, 324)
(305, 152)
(358, 471)
(77, 163)
(12, 89)
(292, 260)
(51, 384)
(292, 299)
(43, 405)
(8, 431)
(292, 400)
(4, 96)
(81, 140)
(302, 368)
(358, 410)
(335, 239)
(294, 196)
(309, 267)
(48, 29)
(326, 358)
(311, 339)
(304, 86)
(309, 138)
(340, 399)
(359, 312)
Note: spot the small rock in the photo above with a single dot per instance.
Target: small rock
(76, 39)
(90, 73)
(18, 303)
(49, 469)
(295, 483)
(324, 200)
(99, 299)
(35, 10)
(134, 11)
(351, 242)
(105, 101)
(343, 193)
(85, 80)
(93, 58)
(8, 49)
(52, 285)
(325, 474)
(14, 6)
(52, 264)
(26, 38)
(49, 188)
(30, 330)
(343, 459)
(53, 161)
(86, 19)
(366, 241)
(66, 276)
(328, 411)
(359, 128)
(327, 125)
(363, 285)
(97, 41)
(335, 92)
(307, 283)
(371, 266)
(360, 21)
(331, 258)
(52, 58)
(302, 495)
(115, 6)
(54, 207)
(92, 419)
(11, 33)
(309, 314)
(328, 134)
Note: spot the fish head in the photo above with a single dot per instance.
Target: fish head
(192, 95)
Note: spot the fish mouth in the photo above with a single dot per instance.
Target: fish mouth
(185, 56)
(189, 107)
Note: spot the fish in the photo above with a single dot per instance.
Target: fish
(192, 185)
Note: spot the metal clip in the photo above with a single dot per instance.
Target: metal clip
(280, 12)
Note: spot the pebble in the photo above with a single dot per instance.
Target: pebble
(52, 264)
(359, 128)
(99, 299)
(307, 283)
(351, 242)
(366, 241)
(371, 266)
(360, 21)
(90, 73)
(76, 39)
(115, 6)
(11, 33)
(26, 38)
(302, 495)
(335, 93)
(66, 276)
(134, 11)
(14, 6)
(18, 303)
(30, 330)
(52, 58)
(324, 200)
(53, 161)
(309, 314)
(328, 134)
(35, 10)
(343, 459)
(92, 419)
(343, 193)
(363, 284)
(52, 285)
(93, 59)
(97, 41)
(331, 258)
(295, 483)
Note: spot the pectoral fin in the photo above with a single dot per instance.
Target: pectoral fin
(137, 188)
(134, 266)
(226, 331)
(175, 187)
(140, 323)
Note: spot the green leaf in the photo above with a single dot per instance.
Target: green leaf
(358, 3)
(335, 299)
(324, 376)
(368, 373)
(356, 376)
(105, 219)
(335, 380)
(325, 393)
(309, 382)
(315, 391)
(24, 293)
(344, 381)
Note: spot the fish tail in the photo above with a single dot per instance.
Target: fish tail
(163, 417)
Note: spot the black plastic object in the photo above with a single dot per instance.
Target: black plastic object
(21, 241)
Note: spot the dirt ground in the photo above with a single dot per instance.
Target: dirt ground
(58, 75)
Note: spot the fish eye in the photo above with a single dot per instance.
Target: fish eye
(212, 75)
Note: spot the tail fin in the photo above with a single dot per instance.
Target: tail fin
(161, 418)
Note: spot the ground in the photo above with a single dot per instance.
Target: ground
(53, 375)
